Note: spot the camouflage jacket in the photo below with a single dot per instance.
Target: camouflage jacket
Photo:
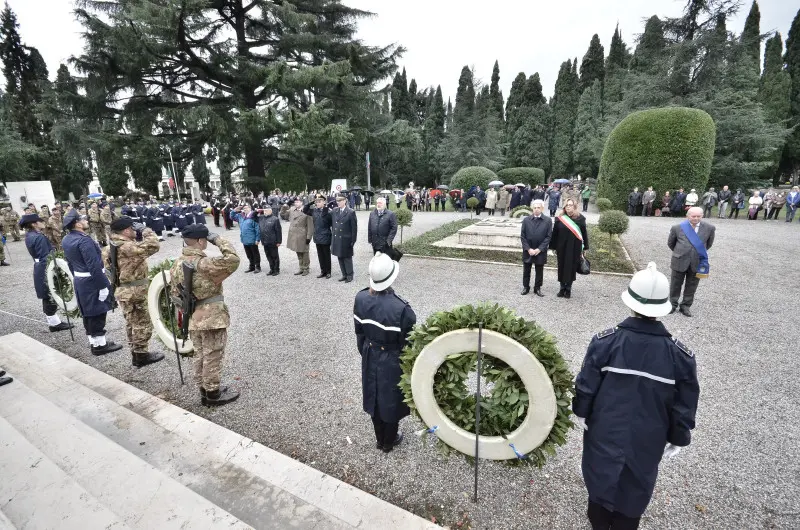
(132, 264)
(105, 216)
(44, 213)
(208, 277)
(94, 215)
(54, 224)
(10, 217)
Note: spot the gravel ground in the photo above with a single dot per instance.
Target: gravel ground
(291, 350)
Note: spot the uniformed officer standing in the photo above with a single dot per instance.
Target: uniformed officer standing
(636, 398)
(39, 248)
(53, 230)
(383, 321)
(10, 220)
(345, 231)
(208, 325)
(131, 270)
(106, 218)
(92, 288)
(96, 224)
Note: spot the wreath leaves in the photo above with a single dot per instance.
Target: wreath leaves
(505, 406)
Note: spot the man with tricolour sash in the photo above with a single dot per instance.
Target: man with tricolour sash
(689, 241)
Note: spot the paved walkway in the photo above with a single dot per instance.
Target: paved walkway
(292, 353)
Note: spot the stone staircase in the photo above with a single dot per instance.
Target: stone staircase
(80, 449)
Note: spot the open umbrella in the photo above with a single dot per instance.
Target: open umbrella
(95, 196)
(386, 192)
(520, 185)
(509, 186)
(494, 183)
(442, 187)
(561, 181)
(355, 188)
(368, 192)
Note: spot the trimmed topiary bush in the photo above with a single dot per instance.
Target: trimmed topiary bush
(466, 177)
(603, 204)
(404, 218)
(526, 175)
(667, 148)
(613, 222)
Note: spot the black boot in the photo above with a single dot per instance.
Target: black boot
(395, 443)
(561, 293)
(144, 358)
(61, 327)
(4, 264)
(222, 396)
(108, 348)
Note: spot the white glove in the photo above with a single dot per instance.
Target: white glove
(580, 422)
(103, 294)
(671, 450)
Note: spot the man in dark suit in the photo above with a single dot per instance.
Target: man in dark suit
(345, 230)
(536, 232)
(382, 227)
(686, 259)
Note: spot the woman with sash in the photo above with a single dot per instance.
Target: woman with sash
(570, 240)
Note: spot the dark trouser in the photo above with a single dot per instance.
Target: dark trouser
(437, 206)
(707, 210)
(385, 433)
(48, 306)
(734, 212)
(631, 209)
(346, 265)
(95, 326)
(566, 286)
(324, 255)
(676, 284)
(271, 252)
(647, 210)
(253, 256)
(216, 217)
(603, 519)
(774, 213)
(585, 205)
(790, 214)
(526, 275)
(552, 213)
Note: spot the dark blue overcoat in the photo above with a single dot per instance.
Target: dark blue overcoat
(86, 263)
(39, 248)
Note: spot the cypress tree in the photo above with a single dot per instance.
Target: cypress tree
(592, 65)
(513, 103)
(530, 143)
(413, 103)
(588, 131)
(465, 97)
(792, 61)
(775, 87)
(616, 68)
(650, 49)
(495, 94)
(617, 52)
(565, 110)
(448, 120)
(751, 34)
(709, 75)
(12, 53)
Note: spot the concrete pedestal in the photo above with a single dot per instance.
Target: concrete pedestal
(501, 232)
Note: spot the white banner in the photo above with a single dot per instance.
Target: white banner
(338, 186)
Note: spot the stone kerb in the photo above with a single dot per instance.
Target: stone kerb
(541, 411)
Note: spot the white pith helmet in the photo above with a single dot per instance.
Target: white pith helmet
(383, 272)
(648, 293)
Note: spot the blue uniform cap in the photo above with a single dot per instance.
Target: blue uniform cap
(29, 218)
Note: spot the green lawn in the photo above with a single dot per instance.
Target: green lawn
(605, 253)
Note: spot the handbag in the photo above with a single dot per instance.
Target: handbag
(584, 266)
(393, 253)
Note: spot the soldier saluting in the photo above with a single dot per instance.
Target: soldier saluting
(92, 288)
(208, 318)
(126, 259)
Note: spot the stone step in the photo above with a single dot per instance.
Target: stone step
(259, 486)
(139, 494)
(36, 494)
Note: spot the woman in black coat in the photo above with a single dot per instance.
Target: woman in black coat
(569, 240)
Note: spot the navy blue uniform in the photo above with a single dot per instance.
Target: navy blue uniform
(39, 247)
(383, 322)
(637, 390)
(199, 214)
(157, 219)
(167, 214)
(86, 263)
(179, 217)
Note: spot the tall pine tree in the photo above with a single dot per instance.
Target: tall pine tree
(496, 95)
(774, 90)
(792, 61)
(589, 131)
(751, 35)
(592, 65)
(565, 110)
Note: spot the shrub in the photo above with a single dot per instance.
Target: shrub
(521, 211)
(404, 218)
(466, 177)
(526, 175)
(603, 204)
(613, 222)
(667, 148)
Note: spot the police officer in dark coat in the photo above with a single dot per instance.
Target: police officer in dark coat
(39, 247)
(344, 232)
(157, 220)
(636, 398)
(323, 221)
(92, 288)
(167, 215)
(535, 235)
(382, 227)
(179, 217)
(199, 213)
(383, 321)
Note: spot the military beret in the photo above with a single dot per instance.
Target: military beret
(70, 218)
(29, 218)
(195, 231)
(122, 223)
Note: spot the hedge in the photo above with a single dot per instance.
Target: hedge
(466, 177)
(526, 175)
(603, 204)
(667, 148)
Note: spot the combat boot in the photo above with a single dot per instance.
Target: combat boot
(219, 397)
(109, 347)
(144, 358)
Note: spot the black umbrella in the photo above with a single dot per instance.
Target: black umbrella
(355, 188)
(368, 192)
(442, 187)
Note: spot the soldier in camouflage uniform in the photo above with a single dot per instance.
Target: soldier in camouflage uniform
(208, 326)
(106, 218)
(10, 220)
(131, 292)
(2, 252)
(96, 225)
(44, 213)
(53, 229)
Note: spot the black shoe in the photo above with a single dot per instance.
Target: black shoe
(343, 279)
(674, 308)
(4, 264)
(538, 292)
(298, 273)
(685, 310)
(396, 442)
(5, 380)
(2, 373)
(561, 293)
(328, 276)
(378, 445)
(145, 358)
(271, 273)
(322, 275)
(525, 290)
(567, 294)
(108, 348)
(249, 270)
(349, 279)
(258, 269)
(219, 397)
(61, 327)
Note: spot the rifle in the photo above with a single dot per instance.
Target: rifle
(171, 309)
(114, 280)
(187, 298)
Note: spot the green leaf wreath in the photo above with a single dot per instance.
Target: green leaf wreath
(521, 211)
(504, 407)
(63, 285)
(164, 305)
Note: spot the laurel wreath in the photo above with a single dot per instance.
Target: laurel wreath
(521, 211)
(64, 287)
(504, 407)
(163, 303)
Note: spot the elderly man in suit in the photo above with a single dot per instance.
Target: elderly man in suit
(689, 242)
(382, 227)
(345, 230)
(536, 232)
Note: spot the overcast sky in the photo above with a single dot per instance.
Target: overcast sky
(441, 36)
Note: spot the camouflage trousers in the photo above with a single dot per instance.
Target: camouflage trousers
(2, 250)
(13, 229)
(99, 232)
(55, 239)
(209, 348)
(137, 325)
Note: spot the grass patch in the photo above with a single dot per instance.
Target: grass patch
(606, 253)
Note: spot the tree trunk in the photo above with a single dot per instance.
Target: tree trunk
(255, 161)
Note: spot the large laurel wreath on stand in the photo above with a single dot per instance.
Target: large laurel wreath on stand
(505, 405)
(60, 284)
(521, 211)
(157, 300)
